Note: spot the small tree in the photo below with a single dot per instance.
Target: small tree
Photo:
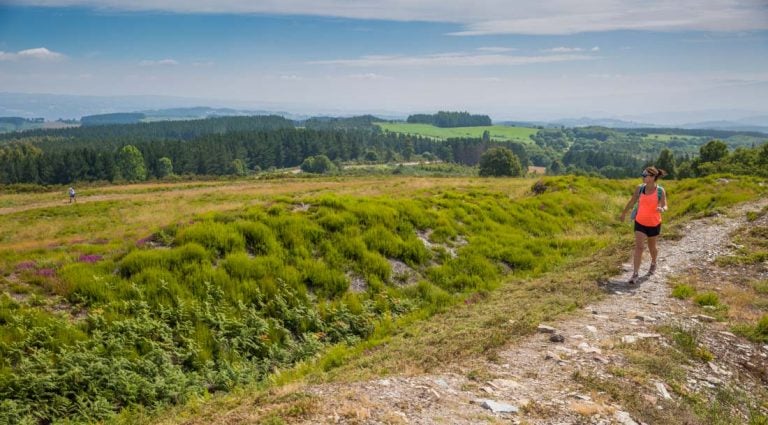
(556, 167)
(318, 164)
(408, 150)
(130, 163)
(371, 156)
(666, 162)
(762, 160)
(713, 151)
(165, 167)
(685, 170)
(500, 162)
(486, 136)
(238, 167)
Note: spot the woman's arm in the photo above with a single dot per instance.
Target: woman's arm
(663, 206)
(635, 195)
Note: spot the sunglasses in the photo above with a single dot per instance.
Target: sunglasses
(645, 174)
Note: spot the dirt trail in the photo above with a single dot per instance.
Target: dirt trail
(535, 375)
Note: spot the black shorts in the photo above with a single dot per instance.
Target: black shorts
(649, 231)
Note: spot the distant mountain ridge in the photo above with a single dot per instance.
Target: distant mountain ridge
(170, 114)
(53, 107)
(754, 124)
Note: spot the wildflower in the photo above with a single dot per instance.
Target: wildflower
(90, 259)
(26, 265)
(46, 272)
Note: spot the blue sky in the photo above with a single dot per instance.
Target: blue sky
(513, 60)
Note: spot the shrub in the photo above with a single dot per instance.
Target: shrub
(83, 283)
(203, 280)
(707, 298)
(138, 260)
(351, 246)
(382, 240)
(335, 221)
(373, 264)
(326, 281)
(443, 231)
(500, 162)
(761, 287)
(259, 239)
(319, 164)
(160, 287)
(517, 258)
(683, 291)
(188, 253)
(688, 342)
(761, 329)
(413, 252)
(238, 265)
(435, 297)
(373, 213)
(297, 234)
(216, 237)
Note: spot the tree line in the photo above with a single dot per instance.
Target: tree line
(233, 153)
(618, 154)
(450, 119)
(116, 135)
(243, 145)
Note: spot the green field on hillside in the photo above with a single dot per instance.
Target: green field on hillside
(498, 132)
(143, 296)
(668, 137)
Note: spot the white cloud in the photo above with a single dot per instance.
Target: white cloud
(564, 49)
(496, 49)
(452, 59)
(291, 78)
(162, 62)
(491, 17)
(39, 54)
(369, 76)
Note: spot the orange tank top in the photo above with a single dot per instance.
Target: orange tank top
(647, 215)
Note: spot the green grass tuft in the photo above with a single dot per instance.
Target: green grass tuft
(707, 298)
(683, 291)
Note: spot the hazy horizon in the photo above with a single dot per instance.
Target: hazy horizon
(534, 61)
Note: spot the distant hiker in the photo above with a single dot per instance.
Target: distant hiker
(72, 195)
(649, 200)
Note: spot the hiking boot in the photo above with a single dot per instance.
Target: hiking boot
(652, 270)
(634, 279)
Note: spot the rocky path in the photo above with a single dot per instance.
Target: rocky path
(532, 381)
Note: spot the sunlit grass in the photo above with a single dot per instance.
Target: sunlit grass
(497, 132)
(220, 285)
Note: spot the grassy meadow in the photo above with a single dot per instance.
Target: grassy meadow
(140, 297)
(497, 132)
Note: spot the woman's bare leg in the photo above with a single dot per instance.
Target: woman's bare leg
(639, 245)
(654, 252)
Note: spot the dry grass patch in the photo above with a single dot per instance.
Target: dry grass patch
(587, 409)
(734, 286)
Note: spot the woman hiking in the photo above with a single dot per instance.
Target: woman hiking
(650, 200)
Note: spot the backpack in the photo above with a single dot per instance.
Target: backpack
(659, 191)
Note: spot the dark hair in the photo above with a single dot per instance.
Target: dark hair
(655, 172)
